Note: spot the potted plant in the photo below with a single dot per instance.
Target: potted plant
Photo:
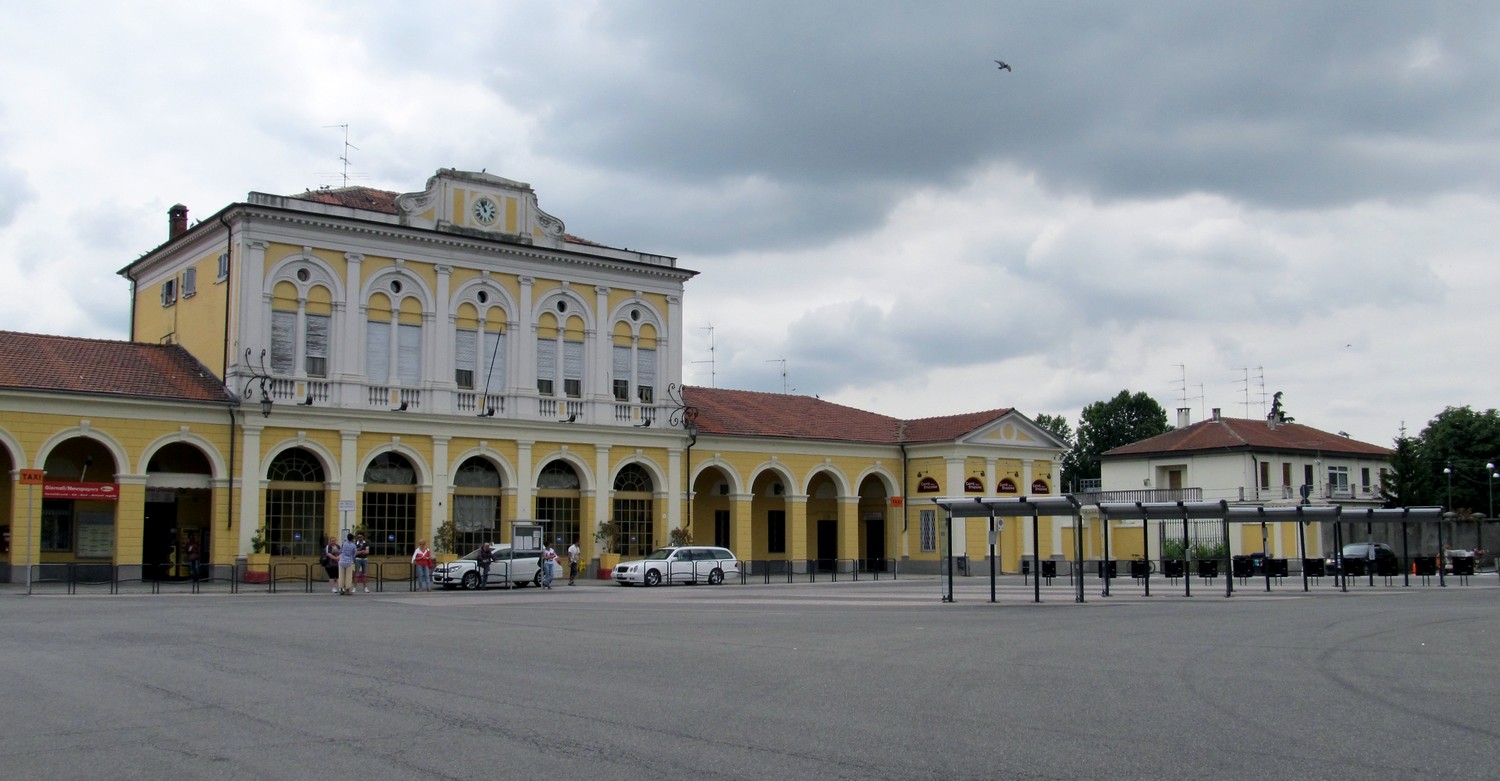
(607, 538)
(680, 536)
(443, 541)
(258, 562)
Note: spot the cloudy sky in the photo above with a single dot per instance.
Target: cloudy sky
(1207, 201)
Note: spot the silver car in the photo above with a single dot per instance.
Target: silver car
(685, 564)
(506, 570)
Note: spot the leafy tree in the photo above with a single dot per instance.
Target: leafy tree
(1105, 425)
(1058, 427)
(1462, 440)
(1404, 485)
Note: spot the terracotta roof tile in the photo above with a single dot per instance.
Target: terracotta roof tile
(367, 198)
(1246, 434)
(106, 368)
(756, 414)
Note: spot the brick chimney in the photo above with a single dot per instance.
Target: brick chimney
(176, 221)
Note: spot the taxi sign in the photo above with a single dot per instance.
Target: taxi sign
(32, 476)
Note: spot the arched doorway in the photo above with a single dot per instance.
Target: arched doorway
(874, 498)
(712, 509)
(823, 523)
(10, 544)
(389, 510)
(770, 526)
(179, 511)
(79, 499)
(632, 511)
(476, 504)
(296, 514)
(559, 503)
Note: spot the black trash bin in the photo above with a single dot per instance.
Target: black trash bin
(1172, 568)
(1242, 566)
(1139, 568)
(963, 565)
(1049, 569)
(1111, 568)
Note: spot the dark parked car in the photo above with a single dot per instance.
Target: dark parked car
(1358, 559)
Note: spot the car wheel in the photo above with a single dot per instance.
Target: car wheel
(471, 581)
(536, 580)
(716, 577)
(653, 577)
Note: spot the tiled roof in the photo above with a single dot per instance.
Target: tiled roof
(756, 414)
(1246, 434)
(108, 368)
(368, 198)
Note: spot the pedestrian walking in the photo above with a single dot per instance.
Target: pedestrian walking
(549, 560)
(423, 560)
(330, 562)
(486, 555)
(574, 552)
(346, 566)
(192, 553)
(362, 561)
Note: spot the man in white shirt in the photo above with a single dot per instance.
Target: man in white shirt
(574, 552)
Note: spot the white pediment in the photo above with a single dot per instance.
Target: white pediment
(1015, 430)
(483, 205)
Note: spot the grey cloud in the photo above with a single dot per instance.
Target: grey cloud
(1283, 104)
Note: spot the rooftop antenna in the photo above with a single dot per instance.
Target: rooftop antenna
(1199, 397)
(712, 368)
(344, 158)
(781, 361)
(1181, 386)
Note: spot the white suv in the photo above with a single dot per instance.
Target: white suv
(686, 564)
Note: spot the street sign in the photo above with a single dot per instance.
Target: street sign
(32, 476)
(346, 505)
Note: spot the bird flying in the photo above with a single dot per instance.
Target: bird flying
(1003, 65)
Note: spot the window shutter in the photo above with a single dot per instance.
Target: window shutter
(463, 357)
(378, 351)
(283, 343)
(409, 354)
(189, 282)
(572, 360)
(645, 370)
(546, 364)
(494, 355)
(317, 345)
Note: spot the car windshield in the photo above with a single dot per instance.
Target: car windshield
(660, 554)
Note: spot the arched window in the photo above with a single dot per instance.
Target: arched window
(559, 352)
(390, 505)
(301, 322)
(558, 502)
(476, 505)
(632, 511)
(393, 337)
(633, 362)
(479, 363)
(295, 518)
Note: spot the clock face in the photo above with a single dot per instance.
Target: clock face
(484, 211)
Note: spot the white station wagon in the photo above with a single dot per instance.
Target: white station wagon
(686, 564)
(505, 571)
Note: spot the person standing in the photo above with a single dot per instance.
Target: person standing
(191, 553)
(361, 561)
(422, 560)
(549, 559)
(574, 552)
(486, 555)
(346, 566)
(330, 562)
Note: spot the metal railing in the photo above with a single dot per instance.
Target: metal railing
(814, 570)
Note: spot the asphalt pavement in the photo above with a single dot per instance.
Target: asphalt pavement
(867, 680)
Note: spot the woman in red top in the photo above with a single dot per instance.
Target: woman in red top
(422, 560)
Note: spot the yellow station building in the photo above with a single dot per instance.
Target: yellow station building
(450, 360)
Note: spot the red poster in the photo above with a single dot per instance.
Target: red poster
(1039, 487)
(927, 485)
(1006, 486)
(89, 492)
(972, 485)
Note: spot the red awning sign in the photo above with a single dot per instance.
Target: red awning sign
(90, 492)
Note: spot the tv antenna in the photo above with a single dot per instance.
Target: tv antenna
(1260, 377)
(781, 361)
(712, 368)
(344, 158)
